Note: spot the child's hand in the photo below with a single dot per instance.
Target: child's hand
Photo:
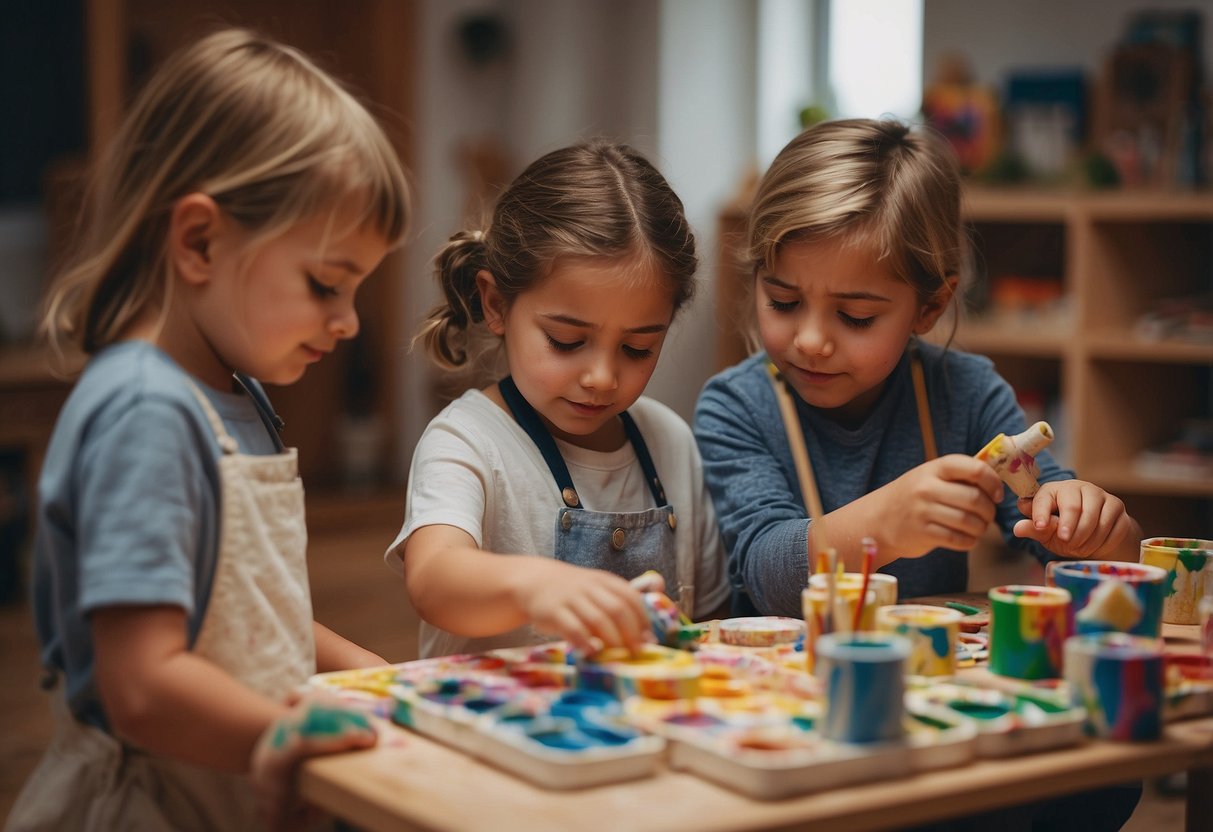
(947, 502)
(1089, 521)
(315, 725)
(589, 608)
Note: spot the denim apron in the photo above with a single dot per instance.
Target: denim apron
(256, 626)
(625, 543)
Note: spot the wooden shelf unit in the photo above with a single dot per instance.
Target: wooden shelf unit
(1120, 253)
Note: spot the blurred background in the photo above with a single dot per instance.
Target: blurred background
(1085, 128)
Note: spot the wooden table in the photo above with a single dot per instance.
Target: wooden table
(411, 782)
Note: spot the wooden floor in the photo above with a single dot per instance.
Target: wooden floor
(358, 597)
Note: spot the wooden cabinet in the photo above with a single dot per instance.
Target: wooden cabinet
(369, 45)
(1116, 255)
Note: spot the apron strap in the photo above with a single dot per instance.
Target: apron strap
(529, 421)
(920, 400)
(646, 461)
(795, 433)
(269, 417)
(226, 442)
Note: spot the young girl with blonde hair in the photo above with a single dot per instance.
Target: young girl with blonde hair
(244, 201)
(533, 501)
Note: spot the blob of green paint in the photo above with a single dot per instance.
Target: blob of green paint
(331, 722)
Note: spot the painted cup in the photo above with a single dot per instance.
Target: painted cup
(883, 586)
(814, 602)
(1028, 625)
(1189, 563)
(862, 675)
(1118, 679)
(1110, 596)
(932, 633)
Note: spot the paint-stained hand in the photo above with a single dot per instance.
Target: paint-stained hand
(315, 725)
(1078, 519)
(589, 608)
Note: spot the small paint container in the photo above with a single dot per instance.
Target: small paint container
(1111, 596)
(1028, 625)
(761, 631)
(1188, 563)
(863, 678)
(1118, 679)
(932, 632)
(883, 586)
(815, 601)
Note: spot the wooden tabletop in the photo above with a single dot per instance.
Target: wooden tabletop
(409, 781)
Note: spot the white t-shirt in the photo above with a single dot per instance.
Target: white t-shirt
(476, 469)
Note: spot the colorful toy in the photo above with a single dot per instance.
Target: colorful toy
(1014, 457)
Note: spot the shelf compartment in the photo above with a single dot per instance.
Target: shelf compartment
(1135, 405)
(1130, 266)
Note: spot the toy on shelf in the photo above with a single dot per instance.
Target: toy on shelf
(1013, 458)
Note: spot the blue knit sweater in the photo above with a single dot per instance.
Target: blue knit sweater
(749, 470)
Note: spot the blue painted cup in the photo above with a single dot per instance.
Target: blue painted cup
(863, 677)
(1112, 596)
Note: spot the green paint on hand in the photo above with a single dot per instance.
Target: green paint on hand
(331, 722)
(281, 735)
(965, 608)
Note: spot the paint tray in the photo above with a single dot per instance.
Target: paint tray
(1008, 723)
(1189, 686)
(522, 734)
(771, 763)
(765, 746)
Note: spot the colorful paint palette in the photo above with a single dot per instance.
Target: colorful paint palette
(1008, 723)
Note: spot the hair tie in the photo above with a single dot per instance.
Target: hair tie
(477, 236)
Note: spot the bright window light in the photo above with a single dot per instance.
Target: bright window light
(875, 57)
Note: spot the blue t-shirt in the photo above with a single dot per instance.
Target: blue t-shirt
(128, 503)
(749, 469)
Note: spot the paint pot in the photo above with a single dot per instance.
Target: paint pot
(932, 633)
(863, 677)
(1111, 596)
(883, 586)
(1118, 679)
(1028, 625)
(814, 602)
(761, 631)
(1189, 563)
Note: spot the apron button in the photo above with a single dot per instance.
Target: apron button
(673, 521)
(618, 539)
(566, 522)
(570, 497)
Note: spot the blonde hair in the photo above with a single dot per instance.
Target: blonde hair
(253, 124)
(597, 200)
(870, 183)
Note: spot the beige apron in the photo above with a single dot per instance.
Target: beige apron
(257, 626)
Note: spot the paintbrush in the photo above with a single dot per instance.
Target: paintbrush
(869, 556)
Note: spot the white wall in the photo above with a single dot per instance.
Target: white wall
(707, 141)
